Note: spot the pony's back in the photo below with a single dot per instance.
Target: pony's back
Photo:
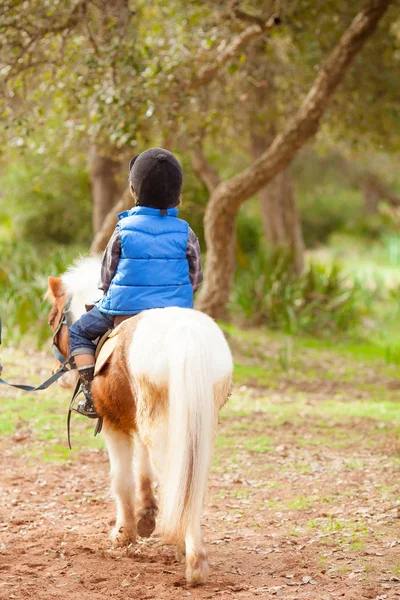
(160, 335)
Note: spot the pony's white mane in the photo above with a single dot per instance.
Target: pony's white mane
(81, 281)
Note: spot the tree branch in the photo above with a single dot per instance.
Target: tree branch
(219, 222)
(244, 16)
(227, 52)
(304, 124)
(204, 170)
(102, 237)
(73, 19)
(30, 65)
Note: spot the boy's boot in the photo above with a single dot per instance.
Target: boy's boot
(86, 406)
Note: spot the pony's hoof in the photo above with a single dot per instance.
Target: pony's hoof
(197, 570)
(147, 522)
(122, 536)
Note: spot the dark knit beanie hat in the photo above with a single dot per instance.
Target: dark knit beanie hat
(156, 177)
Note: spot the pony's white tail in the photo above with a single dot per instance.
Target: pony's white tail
(190, 432)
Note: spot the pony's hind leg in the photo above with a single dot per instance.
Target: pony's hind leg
(196, 556)
(147, 505)
(120, 451)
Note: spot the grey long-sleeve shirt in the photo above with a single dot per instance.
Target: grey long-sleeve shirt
(112, 255)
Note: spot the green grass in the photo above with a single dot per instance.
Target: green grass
(253, 374)
(357, 545)
(344, 359)
(375, 408)
(242, 493)
(295, 450)
(299, 503)
(258, 444)
(252, 423)
(396, 569)
(38, 420)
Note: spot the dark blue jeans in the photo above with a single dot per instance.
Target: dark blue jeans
(89, 327)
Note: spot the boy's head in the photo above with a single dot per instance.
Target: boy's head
(156, 178)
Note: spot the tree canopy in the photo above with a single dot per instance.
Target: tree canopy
(124, 75)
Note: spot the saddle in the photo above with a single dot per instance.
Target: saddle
(107, 343)
(105, 347)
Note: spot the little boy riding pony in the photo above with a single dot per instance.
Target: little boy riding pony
(151, 261)
(158, 393)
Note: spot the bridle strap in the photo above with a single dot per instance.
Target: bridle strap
(66, 363)
(66, 366)
(67, 321)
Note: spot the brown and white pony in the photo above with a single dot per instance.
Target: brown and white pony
(159, 395)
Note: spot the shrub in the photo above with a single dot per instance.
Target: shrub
(23, 281)
(249, 235)
(321, 300)
(329, 208)
(43, 204)
(391, 248)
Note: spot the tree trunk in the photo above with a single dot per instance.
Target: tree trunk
(204, 170)
(101, 238)
(225, 240)
(279, 211)
(106, 189)
(220, 233)
(374, 189)
(225, 201)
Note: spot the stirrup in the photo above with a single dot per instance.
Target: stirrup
(80, 408)
(99, 424)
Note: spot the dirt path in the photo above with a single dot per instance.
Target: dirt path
(303, 503)
(54, 543)
(55, 520)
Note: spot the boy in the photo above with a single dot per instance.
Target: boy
(151, 261)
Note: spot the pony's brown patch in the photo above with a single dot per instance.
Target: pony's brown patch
(114, 391)
(57, 297)
(222, 391)
(56, 288)
(154, 398)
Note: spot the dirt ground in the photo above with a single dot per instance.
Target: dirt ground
(288, 515)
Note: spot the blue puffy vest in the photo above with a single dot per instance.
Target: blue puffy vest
(153, 270)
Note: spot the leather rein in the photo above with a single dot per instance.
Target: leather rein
(66, 363)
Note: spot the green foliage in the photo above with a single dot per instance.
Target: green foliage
(392, 354)
(23, 282)
(249, 235)
(195, 197)
(320, 301)
(391, 245)
(333, 208)
(120, 75)
(43, 203)
(328, 208)
(331, 194)
(117, 73)
(364, 110)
